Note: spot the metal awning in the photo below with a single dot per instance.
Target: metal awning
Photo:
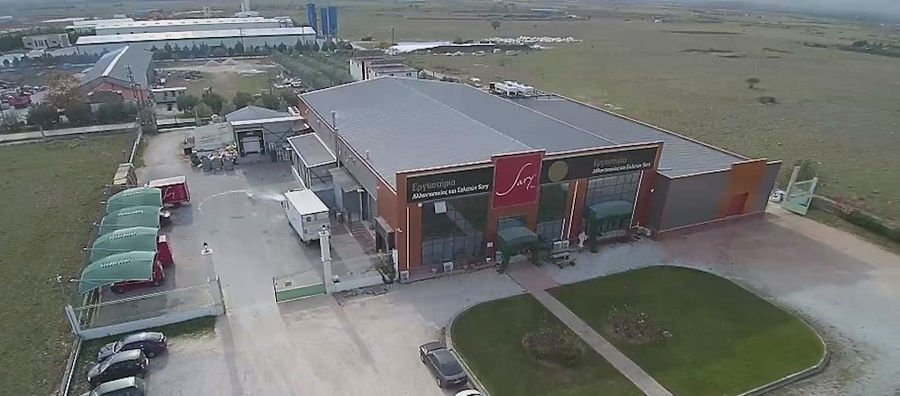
(342, 178)
(515, 237)
(117, 268)
(136, 216)
(138, 196)
(132, 239)
(611, 210)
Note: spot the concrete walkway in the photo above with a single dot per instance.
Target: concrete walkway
(536, 282)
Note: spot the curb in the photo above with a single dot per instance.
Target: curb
(70, 368)
(448, 340)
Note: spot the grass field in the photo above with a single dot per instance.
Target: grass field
(721, 339)
(489, 338)
(52, 194)
(835, 107)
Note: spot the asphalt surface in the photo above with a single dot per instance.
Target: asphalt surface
(365, 345)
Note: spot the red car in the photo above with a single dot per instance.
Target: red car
(159, 277)
(21, 101)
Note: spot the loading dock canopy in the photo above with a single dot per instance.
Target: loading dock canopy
(138, 196)
(132, 239)
(117, 268)
(136, 216)
(611, 210)
(515, 237)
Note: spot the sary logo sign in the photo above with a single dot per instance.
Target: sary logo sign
(517, 179)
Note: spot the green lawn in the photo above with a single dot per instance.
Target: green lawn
(489, 338)
(724, 339)
(51, 195)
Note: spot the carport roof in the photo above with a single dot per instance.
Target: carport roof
(136, 216)
(117, 268)
(311, 150)
(407, 124)
(141, 239)
(137, 196)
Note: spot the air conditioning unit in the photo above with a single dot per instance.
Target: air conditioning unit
(404, 275)
(561, 245)
(448, 266)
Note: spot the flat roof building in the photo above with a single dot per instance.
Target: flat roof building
(229, 38)
(443, 169)
(181, 25)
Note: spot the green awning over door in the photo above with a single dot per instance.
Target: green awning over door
(611, 210)
(515, 237)
(132, 239)
(136, 216)
(117, 268)
(138, 196)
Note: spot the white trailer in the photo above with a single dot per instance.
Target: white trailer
(306, 213)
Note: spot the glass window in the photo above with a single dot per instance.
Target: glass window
(455, 231)
(552, 211)
(620, 187)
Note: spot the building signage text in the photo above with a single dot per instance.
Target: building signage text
(516, 179)
(438, 186)
(597, 164)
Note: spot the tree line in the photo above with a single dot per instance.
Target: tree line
(219, 51)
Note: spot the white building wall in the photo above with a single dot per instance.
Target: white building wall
(273, 41)
(356, 69)
(112, 30)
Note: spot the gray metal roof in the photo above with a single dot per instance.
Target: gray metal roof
(251, 113)
(115, 65)
(194, 35)
(404, 128)
(311, 150)
(408, 124)
(680, 156)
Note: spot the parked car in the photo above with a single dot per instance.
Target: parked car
(443, 364)
(131, 363)
(159, 277)
(128, 386)
(469, 392)
(150, 342)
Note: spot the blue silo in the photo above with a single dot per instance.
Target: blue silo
(323, 12)
(332, 21)
(311, 16)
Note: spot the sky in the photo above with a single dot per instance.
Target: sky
(883, 8)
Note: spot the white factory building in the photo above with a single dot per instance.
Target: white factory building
(272, 37)
(184, 25)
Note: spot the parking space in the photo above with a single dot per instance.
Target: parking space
(363, 346)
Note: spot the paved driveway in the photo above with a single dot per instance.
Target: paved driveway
(365, 346)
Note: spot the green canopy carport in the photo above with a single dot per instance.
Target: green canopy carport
(132, 239)
(116, 268)
(138, 196)
(136, 216)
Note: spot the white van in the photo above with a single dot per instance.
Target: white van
(306, 213)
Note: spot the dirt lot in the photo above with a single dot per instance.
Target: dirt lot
(226, 78)
(687, 74)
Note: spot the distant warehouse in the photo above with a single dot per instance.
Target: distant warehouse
(229, 38)
(184, 25)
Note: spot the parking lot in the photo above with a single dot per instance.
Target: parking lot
(316, 346)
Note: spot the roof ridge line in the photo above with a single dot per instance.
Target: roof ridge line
(112, 64)
(457, 111)
(553, 118)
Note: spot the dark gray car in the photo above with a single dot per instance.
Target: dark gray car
(151, 342)
(443, 364)
(131, 363)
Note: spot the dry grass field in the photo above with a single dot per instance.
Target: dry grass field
(837, 108)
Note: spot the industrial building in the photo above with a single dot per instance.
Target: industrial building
(113, 74)
(46, 41)
(229, 38)
(369, 65)
(444, 172)
(186, 25)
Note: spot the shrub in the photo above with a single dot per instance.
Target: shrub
(554, 345)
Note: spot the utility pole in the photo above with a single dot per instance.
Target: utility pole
(334, 127)
(134, 92)
(393, 42)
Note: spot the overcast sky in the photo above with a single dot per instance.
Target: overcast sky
(873, 7)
